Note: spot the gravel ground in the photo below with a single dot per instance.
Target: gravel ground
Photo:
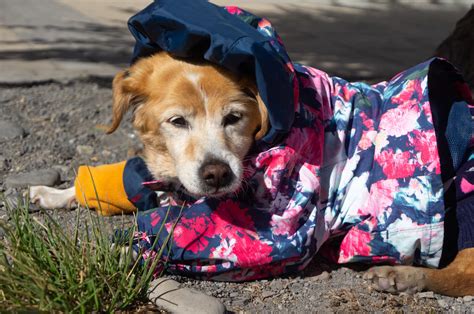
(60, 126)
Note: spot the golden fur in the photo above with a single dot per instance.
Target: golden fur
(160, 88)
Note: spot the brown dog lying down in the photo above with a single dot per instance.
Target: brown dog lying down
(457, 279)
(240, 107)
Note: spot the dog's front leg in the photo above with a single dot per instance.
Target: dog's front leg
(51, 198)
(457, 279)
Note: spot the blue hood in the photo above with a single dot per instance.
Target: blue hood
(229, 37)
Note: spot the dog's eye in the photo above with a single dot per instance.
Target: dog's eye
(179, 122)
(231, 118)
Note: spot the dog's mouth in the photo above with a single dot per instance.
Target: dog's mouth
(203, 190)
(212, 191)
(213, 177)
(219, 192)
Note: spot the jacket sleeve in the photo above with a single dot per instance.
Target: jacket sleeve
(102, 188)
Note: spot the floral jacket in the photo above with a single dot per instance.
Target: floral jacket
(358, 162)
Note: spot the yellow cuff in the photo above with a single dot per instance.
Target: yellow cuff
(101, 188)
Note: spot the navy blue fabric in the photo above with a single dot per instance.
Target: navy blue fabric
(458, 132)
(134, 174)
(465, 218)
(198, 29)
(464, 184)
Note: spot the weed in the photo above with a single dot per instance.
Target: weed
(43, 267)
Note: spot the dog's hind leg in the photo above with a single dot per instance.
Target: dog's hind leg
(51, 198)
(457, 279)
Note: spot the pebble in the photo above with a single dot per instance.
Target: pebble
(426, 295)
(323, 276)
(66, 172)
(468, 298)
(277, 284)
(167, 294)
(267, 294)
(48, 177)
(243, 301)
(10, 131)
(3, 163)
(442, 303)
(84, 149)
(106, 153)
(234, 295)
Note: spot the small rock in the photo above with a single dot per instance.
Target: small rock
(10, 131)
(234, 295)
(241, 302)
(323, 276)
(84, 149)
(48, 177)
(294, 287)
(267, 294)
(3, 163)
(106, 153)
(17, 200)
(426, 295)
(468, 298)
(167, 293)
(442, 303)
(66, 172)
(277, 284)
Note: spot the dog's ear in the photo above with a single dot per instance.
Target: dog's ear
(264, 125)
(251, 90)
(125, 96)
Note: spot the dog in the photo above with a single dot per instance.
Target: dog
(197, 122)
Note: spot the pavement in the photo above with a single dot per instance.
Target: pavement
(63, 40)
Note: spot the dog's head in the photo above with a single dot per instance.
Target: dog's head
(196, 121)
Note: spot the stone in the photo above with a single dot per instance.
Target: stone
(84, 149)
(48, 177)
(66, 172)
(18, 200)
(442, 303)
(3, 163)
(10, 130)
(426, 295)
(241, 302)
(277, 285)
(167, 294)
(322, 277)
(468, 298)
(234, 294)
(267, 294)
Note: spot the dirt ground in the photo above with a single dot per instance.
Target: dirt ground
(64, 127)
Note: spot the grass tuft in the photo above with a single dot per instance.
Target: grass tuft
(44, 267)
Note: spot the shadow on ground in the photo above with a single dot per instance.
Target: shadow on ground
(357, 44)
(85, 42)
(365, 44)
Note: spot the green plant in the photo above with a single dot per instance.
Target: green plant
(46, 268)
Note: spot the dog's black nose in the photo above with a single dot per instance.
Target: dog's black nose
(216, 174)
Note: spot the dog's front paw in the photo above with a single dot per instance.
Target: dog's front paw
(396, 279)
(51, 198)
